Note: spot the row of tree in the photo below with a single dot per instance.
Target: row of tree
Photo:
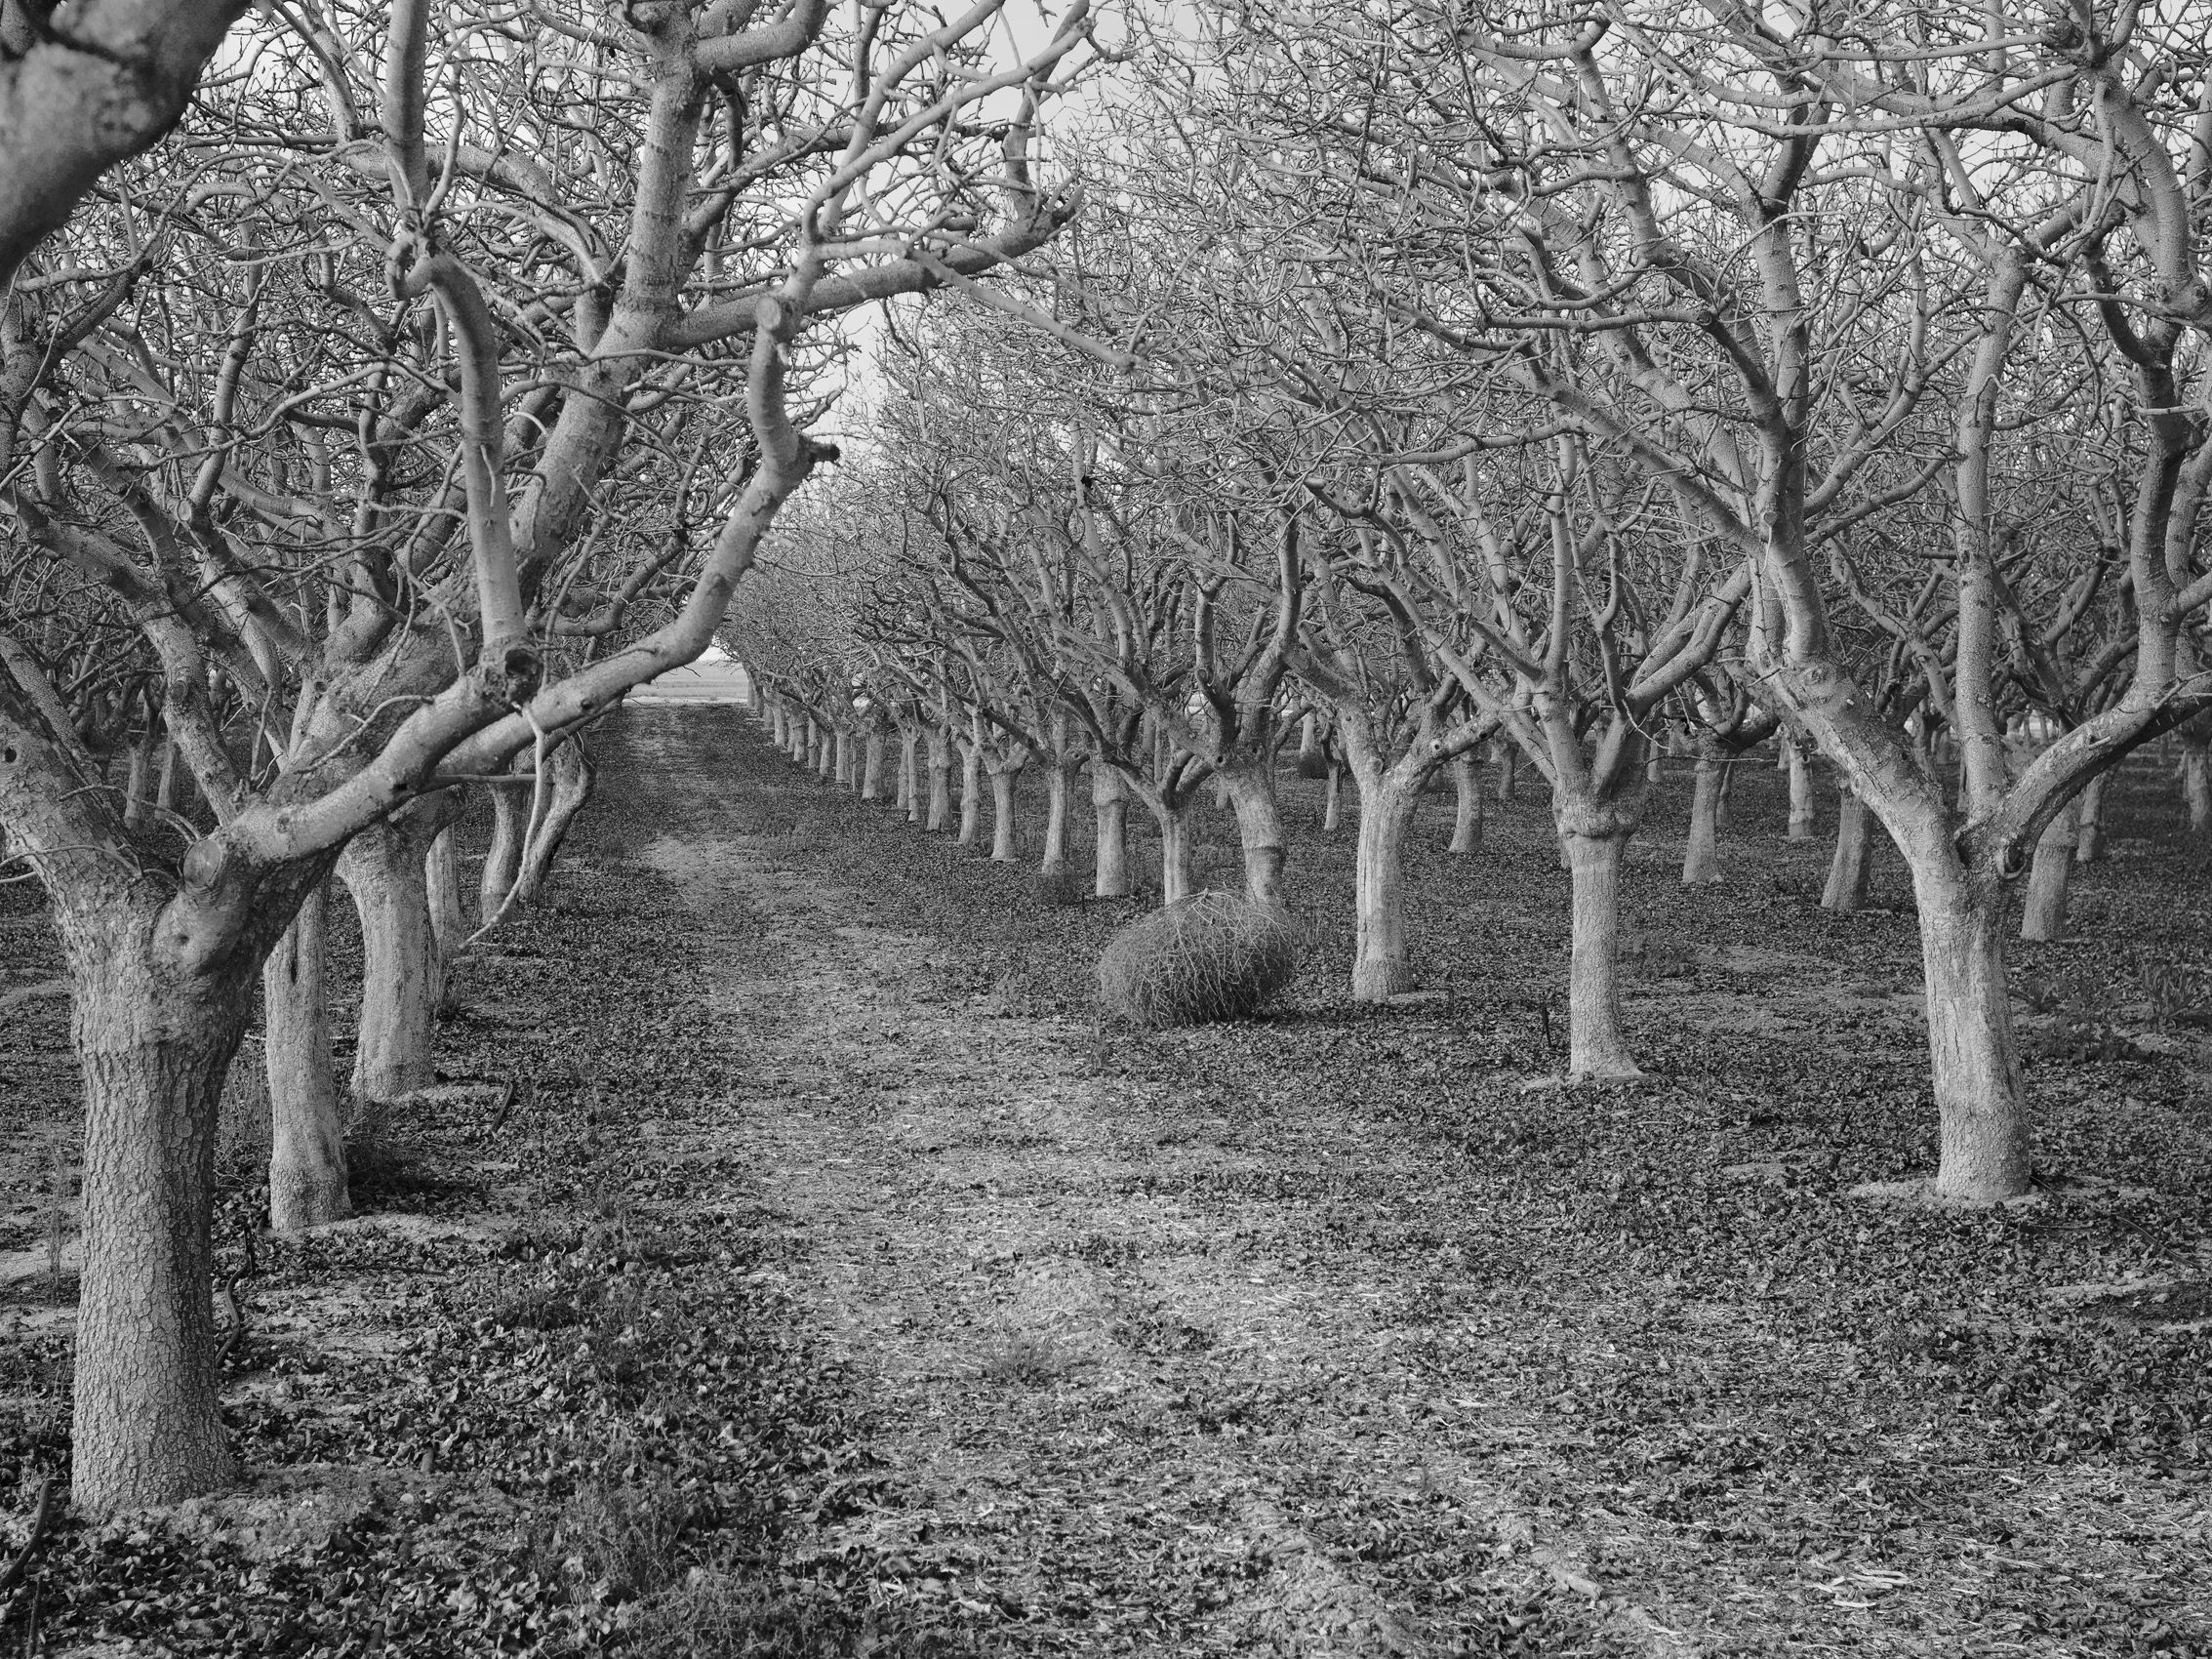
(1563, 379)
(432, 384)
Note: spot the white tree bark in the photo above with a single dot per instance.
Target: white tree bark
(1003, 838)
(385, 870)
(1596, 1046)
(306, 1174)
(871, 766)
(2049, 874)
(1380, 969)
(1981, 1093)
(2089, 842)
(1701, 856)
(1467, 816)
(1801, 819)
(1110, 810)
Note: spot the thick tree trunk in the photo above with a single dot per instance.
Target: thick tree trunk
(1379, 968)
(1801, 821)
(2089, 839)
(871, 766)
(1701, 859)
(1258, 832)
(939, 782)
(1595, 1046)
(503, 859)
(1332, 806)
(153, 1045)
(386, 868)
(971, 797)
(1466, 819)
(449, 922)
(306, 1147)
(1110, 811)
(1002, 840)
(1059, 777)
(2043, 917)
(1981, 1095)
(824, 753)
(1851, 869)
(843, 741)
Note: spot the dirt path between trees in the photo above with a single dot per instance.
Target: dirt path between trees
(1082, 1381)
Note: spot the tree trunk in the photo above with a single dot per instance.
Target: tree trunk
(1466, 819)
(939, 782)
(1724, 803)
(824, 752)
(1258, 832)
(777, 733)
(1852, 867)
(173, 776)
(971, 795)
(1595, 1046)
(1979, 1093)
(1379, 968)
(1058, 778)
(153, 1045)
(138, 789)
(2043, 917)
(1110, 811)
(871, 766)
(1175, 884)
(306, 1147)
(503, 859)
(449, 922)
(844, 764)
(1801, 823)
(2089, 839)
(911, 775)
(1508, 771)
(1332, 807)
(1002, 845)
(1701, 859)
(385, 868)
(2197, 783)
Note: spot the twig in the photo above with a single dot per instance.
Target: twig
(42, 1517)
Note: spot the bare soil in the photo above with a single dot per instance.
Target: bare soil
(835, 1282)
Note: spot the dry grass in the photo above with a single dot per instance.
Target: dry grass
(1214, 957)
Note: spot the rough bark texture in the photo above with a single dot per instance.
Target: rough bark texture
(1057, 781)
(1259, 832)
(1466, 816)
(1801, 820)
(1701, 858)
(1379, 968)
(385, 870)
(1852, 868)
(971, 797)
(1981, 1095)
(306, 1148)
(1002, 841)
(1175, 884)
(2089, 838)
(2043, 917)
(871, 767)
(1110, 811)
(1595, 1046)
(154, 1044)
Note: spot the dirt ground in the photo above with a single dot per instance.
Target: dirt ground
(830, 1280)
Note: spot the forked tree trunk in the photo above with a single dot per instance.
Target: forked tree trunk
(1851, 870)
(1379, 966)
(307, 1145)
(971, 795)
(1595, 1046)
(386, 868)
(1801, 821)
(1466, 819)
(2089, 839)
(1332, 805)
(2044, 915)
(1002, 841)
(871, 766)
(1258, 832)
(1701, 858)
(1981, 1095)
(1110, 812)
(153, 1044)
